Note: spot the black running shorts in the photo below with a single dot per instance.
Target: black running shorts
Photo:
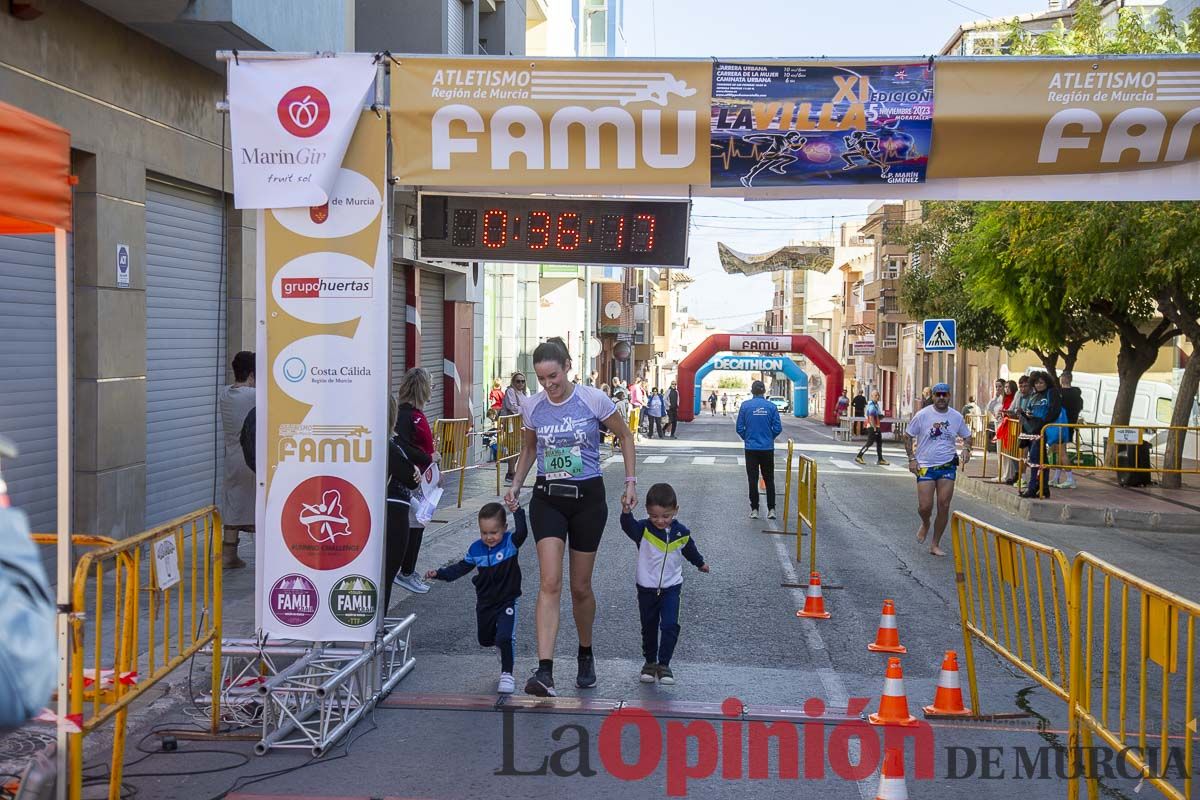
(578, 522)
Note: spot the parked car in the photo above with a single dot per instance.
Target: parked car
(781, 403)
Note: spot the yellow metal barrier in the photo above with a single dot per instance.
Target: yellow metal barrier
(508, 442)
(1102, 690)
(1008, 430)
(183, 616)
(806, 508)
(787, 488)
(1093, 447)
(451, 438)
(1013, 597)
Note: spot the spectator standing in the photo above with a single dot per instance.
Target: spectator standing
(1006, 432)
(859, 406)
(843, 404)
(673, 409)
(758, 424)
(238, 499)
(1072, 403)
(926, 397)
(1045, 409)
(656, 409)
(637, 401)
(415, 437)
(514, 395)
(994, 407)
(495, 400)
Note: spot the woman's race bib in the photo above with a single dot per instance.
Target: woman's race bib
(563, 463)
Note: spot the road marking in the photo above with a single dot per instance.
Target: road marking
(741, 461)
(895, 468)
(835, 688)
(837, 462)
(655, 460)
(614, 459)
(709, 460)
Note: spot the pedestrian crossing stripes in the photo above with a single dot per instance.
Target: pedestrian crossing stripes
(849, 465)
(655, 460)
(828, 465)
(699, 460)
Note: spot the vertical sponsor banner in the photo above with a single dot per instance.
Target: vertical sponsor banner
(323, 285)
(779, 124)
(549, 122)
(1064, 116)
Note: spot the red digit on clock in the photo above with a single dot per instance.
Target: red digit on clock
(568, 231)
(539, 230)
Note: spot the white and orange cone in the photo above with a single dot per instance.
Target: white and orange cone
(891, 777)
(887, 639)
(814, 601)
(948, 700)
(893, 705)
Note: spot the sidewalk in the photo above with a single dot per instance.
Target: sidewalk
(1098, 501)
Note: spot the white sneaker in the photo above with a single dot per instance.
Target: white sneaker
(412, 582)
(506, 684)
(771, 513)
(754, 513)
(1069, 483)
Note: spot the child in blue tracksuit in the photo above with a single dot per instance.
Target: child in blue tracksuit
(662, 544)
(497, 584)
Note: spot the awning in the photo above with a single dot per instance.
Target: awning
(35, 171)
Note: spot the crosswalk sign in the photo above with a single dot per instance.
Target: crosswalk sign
(941, 335)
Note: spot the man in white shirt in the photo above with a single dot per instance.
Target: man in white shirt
(933, 457)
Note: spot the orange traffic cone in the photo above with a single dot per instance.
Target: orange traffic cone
(948, 700)
(814, 601)
(893, 705)
(887, 640)
(891, 777)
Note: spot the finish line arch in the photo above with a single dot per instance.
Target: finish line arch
(788, 367)
(762, 345)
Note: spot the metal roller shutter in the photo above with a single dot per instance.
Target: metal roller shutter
(456, 27)
(433, 296)
(397, 324)
(27, 404)
(185, 350)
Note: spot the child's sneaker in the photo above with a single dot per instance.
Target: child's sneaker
(506, 684)
(649, 672)
(665, 675)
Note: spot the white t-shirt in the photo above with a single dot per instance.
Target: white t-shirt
(935, 433)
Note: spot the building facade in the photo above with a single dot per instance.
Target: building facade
(137, 85)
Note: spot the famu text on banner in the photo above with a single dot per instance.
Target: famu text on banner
(549, 122)
(1064, 116)
(291, 121)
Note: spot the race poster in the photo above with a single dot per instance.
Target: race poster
(322, 403)
(790, 124)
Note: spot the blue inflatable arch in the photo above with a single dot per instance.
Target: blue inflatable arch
(783, 364)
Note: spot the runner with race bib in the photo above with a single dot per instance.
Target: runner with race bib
(569, 508)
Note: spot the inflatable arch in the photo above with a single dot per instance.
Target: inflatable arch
(782, 364)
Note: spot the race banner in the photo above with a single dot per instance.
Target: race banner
(1065, 116)
(816, 257)
(790, 123)
(488, 122)
(322, 400)
(290, 122)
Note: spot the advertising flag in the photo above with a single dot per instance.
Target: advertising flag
(323, 403)
(291, 121)
(788, 124)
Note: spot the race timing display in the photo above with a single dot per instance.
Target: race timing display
(548, 230)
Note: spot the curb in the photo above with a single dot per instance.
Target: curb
(1003, 497)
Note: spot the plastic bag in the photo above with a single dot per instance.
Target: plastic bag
(427, 496)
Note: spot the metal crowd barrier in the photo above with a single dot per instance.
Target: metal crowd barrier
(508, 442)
(1094, 448)
(451, 439)
(1013, 597)
(806, 508)
(1106, 664)
(1011, 452)
(172, 573)
(787, 487)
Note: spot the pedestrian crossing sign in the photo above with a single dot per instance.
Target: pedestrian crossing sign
(941, 335)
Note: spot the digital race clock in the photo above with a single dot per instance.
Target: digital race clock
(551, 230)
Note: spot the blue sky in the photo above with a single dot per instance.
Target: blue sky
(780, 29)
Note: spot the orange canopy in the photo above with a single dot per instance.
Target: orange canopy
(35, 171)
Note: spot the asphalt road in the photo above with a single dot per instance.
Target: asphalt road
(740, 639)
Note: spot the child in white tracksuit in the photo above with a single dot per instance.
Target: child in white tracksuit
(663, 543)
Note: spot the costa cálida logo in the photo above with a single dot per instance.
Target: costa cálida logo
(303, 111)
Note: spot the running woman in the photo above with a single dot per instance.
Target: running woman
(568, 509)
(933, 458)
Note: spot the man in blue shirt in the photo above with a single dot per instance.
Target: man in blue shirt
(758, 424)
